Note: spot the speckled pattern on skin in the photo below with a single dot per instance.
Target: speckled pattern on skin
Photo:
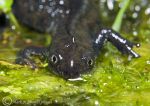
(77, 37)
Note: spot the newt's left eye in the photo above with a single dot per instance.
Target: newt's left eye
(54, 59)
(90, 62)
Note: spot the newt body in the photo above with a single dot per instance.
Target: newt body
(77, 35)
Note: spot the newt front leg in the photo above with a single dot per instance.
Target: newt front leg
(25, 56)
(123, 45)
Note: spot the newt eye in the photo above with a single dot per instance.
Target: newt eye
(54, 59)
(90, 62)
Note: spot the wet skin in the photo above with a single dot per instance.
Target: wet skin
(77, 37)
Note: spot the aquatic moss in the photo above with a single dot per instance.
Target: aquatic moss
(114, 81)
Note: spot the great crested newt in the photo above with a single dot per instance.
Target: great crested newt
(77, 34)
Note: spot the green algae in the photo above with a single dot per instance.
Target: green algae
(114, 81)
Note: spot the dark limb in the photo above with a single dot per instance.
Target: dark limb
(123, 45)
(25, 57)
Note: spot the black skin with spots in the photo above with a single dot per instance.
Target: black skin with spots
(77, 37)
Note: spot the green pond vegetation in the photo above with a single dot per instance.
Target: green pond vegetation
(116, 80)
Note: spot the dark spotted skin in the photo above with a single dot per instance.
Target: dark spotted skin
(77, 37)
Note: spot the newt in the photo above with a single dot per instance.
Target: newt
(77, 34)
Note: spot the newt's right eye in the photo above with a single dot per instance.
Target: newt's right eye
(90, 62)
(54, 59)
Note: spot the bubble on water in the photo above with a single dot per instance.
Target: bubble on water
(110, 4)
(135, 33)
(61, 2)
(56, 101)
(87, 97)
(2, 73)
(137, 8)
(137, 87)
(67, 11)
(147, 11)
(30, 88)
(101, 90)
(41, 6)
(96, 103)
(109, 77)
(148, 62)
(135, 15)
(104, 84)
(13, 27)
